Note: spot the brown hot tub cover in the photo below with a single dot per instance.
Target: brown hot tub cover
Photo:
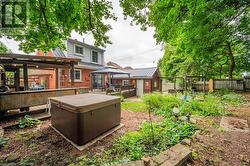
(83, 117)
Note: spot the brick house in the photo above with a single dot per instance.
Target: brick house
(92, 58)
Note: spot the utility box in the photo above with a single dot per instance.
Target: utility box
(84, 117)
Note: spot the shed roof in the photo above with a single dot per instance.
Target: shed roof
(109, 70)
(139, 73)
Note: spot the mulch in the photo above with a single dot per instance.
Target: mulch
(43, 146)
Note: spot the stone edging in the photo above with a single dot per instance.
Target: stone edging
(177, 155)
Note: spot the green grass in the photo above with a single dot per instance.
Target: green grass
(134, 106)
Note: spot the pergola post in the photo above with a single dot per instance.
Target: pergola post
(72, 74)
(4, 78)
(25, 77)
(57, 78)
(109, 75)
(17, 79)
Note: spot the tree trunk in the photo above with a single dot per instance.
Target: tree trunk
(231, 60)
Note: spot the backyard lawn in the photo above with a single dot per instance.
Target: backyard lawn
(134, 106)
(36, 143)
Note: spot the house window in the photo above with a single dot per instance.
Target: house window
(77, 75)
(95, 56)
(125, 82)
(78, 50)
(98, 81)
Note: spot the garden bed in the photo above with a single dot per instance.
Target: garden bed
(41, 145)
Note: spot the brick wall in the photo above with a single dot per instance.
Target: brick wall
(86, 79)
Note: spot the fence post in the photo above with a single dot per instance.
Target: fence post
(211, 85)
(244, 85)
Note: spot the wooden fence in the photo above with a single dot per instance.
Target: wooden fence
(247, 84)
(232, 84)
(170, 85)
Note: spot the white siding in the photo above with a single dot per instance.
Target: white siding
(87, 52)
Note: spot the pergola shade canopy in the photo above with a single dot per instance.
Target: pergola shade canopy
(110, 71)
(15, 62)
(41, 61)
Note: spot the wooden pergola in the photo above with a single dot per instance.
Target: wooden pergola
(15, 62)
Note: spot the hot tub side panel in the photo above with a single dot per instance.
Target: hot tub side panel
(98, 121)
(65, 122)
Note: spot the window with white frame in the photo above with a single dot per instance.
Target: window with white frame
(77, 75)
(94, 56)
(78, 50)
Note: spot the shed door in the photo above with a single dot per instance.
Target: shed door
(139, 88)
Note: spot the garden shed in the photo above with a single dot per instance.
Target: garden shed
(145, 80)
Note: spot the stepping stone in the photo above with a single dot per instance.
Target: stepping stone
(177, 155)
(234, 124)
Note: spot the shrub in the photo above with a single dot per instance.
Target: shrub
(135, 145)
(162, 105)
(157, 100)
(206, 108)
(229, 97)
(153, 101)
(234, 99)
(27, 121)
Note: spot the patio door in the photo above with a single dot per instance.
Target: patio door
(139, 88)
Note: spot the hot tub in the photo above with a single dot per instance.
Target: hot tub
(83, 117)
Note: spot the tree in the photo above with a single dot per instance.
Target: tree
(203, 33)
(3, 48)
(52, 21)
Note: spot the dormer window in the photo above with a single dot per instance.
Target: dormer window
(78, 50)
(94, 56)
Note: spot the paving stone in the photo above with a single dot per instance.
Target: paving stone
(234, 124)
(175, 156)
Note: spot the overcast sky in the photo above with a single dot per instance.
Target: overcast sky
(131, 46)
